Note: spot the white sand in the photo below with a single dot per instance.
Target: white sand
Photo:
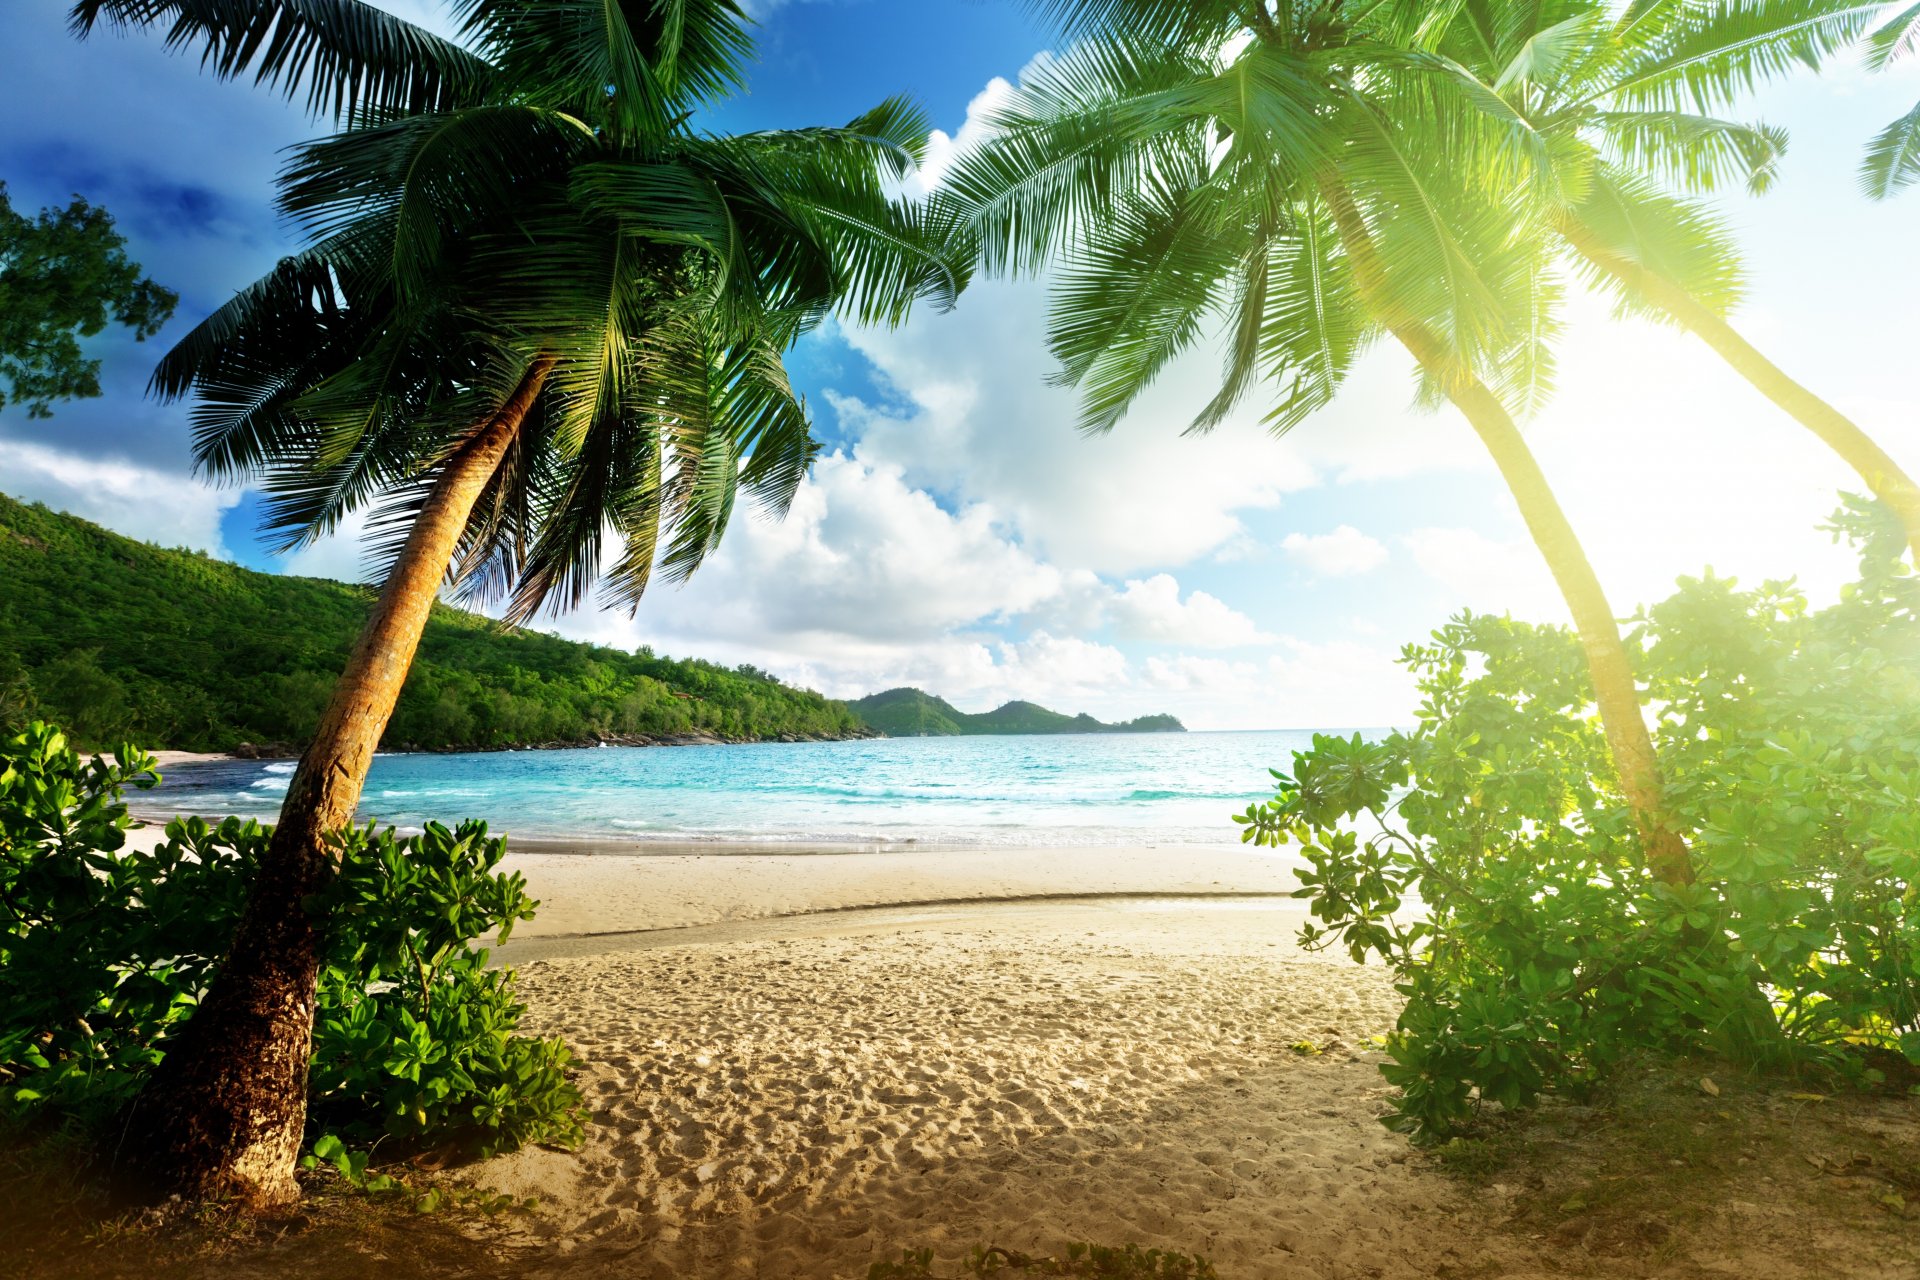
(782, 1086)
(168, 759)
(602, 894)
(802, 1098)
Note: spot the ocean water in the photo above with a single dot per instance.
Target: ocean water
(1094, 789)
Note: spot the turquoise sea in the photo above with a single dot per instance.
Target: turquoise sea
(1068, 789)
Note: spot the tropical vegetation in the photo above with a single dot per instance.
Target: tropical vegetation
(117, 640)
(1542, 953)
(912, 713)
(104, 952)
(538, 330)
(537, 307)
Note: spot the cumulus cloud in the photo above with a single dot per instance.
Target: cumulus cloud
(1151, 609)
(972, 414)
(869, 582)
(157, 506)
(1343, 552)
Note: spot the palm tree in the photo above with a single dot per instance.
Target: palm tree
(1261, 167)
(1623, 100)
(539, 314)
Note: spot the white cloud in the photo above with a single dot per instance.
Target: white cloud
(140, 502)
(861, 554)
(340, 555)
(974, 415)
(1487, 575)
(1343, 552)
(1151, 609)
(869, 583)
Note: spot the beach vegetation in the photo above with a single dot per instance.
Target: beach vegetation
(1487, 857)
(117, 640)
(65, 275)
(105, 953)
(538, 330)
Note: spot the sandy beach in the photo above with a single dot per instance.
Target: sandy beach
(805, 1097)
(798, 1064)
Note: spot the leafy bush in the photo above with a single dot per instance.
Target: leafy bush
(104, 953)
(1487, 857)
(1093, 1261)
(413, 1035)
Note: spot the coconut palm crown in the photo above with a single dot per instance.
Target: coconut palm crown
(1629, 102)
(537, 191)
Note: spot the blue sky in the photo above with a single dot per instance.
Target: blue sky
(958, 533)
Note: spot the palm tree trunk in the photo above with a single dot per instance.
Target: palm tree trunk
(1615, 691)
(1881, 474)
(224, 1114)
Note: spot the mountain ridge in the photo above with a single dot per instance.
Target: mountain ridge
(908, 712)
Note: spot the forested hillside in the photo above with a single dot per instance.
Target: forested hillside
(115, 638)
(910, 713)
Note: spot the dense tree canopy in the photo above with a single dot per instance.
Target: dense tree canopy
(117, 639)
(65, 275)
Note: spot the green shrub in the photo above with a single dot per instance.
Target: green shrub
(104, 953)
(1487, 857)
(414, 1037)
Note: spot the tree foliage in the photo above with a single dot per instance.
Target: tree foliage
(115, 639)
(1486, 858)
(65, 275)
(104, 953)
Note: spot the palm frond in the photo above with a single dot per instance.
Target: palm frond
(1703, 55)
(351, 59)
(1892, 162)
(1698, 152)
(1140, 291)
(1681, 240)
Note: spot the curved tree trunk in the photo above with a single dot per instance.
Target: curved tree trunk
(1881, 474)
(1615, 691)
(223, 1115)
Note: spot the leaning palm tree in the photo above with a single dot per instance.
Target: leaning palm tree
(1625, 101)
(539, 328)
(1261, 169)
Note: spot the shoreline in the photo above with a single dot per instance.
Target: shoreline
(271, 751)
(586, 891)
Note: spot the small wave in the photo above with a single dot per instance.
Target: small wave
(284, 767)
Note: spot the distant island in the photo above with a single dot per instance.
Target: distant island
(914, 713)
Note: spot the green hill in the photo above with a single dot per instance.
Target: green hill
(912, 713)
(114, 639)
